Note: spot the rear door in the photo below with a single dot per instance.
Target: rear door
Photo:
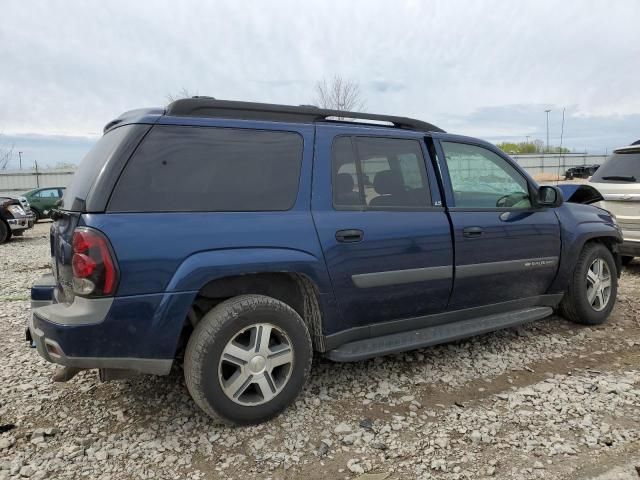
(383, 231)
(505, 249)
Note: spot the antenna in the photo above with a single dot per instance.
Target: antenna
(561, 153)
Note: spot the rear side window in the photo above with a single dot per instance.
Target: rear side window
(379, 174)
(91, 165)
(211, 169)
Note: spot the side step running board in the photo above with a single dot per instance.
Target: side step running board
(425, 337)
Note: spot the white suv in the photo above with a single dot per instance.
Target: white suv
(618, 181)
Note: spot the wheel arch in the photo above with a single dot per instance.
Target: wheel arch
(573, 246)
(36, 212)
(295, 289)
(612, 243)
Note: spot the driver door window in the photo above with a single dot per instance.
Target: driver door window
(482, 179)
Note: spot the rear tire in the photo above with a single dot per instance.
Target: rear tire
(36, 215)
(591, 295)
(626, 260)
(242, 346)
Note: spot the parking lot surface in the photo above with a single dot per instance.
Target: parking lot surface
(548, 400)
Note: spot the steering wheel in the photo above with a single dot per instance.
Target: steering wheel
(510, 199)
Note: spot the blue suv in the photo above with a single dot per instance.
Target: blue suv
(240, 238)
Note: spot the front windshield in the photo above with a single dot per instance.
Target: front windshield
(619, 168)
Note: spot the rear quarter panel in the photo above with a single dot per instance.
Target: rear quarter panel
(158, 252)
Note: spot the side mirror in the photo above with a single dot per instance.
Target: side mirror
(549, 196)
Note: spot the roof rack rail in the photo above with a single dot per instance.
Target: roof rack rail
(210, 107)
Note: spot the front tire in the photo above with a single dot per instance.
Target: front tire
(247, 359)
(36, 215)
(592, 292)
(5, 232)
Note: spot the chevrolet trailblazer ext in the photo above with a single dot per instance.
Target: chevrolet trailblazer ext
(244, 237)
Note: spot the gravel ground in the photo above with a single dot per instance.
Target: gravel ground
(549, 400)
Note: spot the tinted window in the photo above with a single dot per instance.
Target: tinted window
(387, 173)
(92, 164)
(346, 189)
(482, 179)
(619, 168)
(211, 169)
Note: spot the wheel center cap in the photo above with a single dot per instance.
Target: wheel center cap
(257, 364)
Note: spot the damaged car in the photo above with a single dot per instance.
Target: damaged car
(14, 220)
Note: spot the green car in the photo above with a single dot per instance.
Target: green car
(42, 200)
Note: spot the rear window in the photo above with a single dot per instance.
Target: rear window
(181, 168)
(619, 168)
(91, 165)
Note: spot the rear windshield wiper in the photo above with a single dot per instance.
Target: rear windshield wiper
(623, 178)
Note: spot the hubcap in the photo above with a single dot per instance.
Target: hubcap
(256, 364)
(598, 284)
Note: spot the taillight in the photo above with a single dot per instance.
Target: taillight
(94, 268)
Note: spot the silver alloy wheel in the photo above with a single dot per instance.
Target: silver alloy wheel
(256, 364)
(598, 284)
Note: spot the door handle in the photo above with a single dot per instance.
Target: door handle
(472, 232)
(349, 236)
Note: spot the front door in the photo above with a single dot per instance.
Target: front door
(387, 247)
(505, 249)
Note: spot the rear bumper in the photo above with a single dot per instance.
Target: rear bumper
(138, 333)
(51, 351)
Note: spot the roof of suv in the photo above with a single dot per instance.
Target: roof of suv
(210, 107)
(633, 148)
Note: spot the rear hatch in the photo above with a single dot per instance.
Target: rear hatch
(88, 193)
(618, 180)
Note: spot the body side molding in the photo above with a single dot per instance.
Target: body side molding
(398, 277)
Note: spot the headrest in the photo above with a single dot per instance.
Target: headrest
(344, 183)
(387, 182)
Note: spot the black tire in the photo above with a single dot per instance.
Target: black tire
(626, 260)
(209, 339)
(5, 232)
(36, 214)
(575, 306)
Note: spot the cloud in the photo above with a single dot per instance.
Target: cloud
(70, 67)
(594, 133)
(386, 86)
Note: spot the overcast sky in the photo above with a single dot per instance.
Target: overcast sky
(481, 68)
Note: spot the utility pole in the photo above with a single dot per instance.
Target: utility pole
(527, 139)
(547, 112)
(20, 156)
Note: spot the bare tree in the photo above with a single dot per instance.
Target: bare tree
(339, 94)
(6, 154)
(183, 93)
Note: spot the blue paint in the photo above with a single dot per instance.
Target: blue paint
(164, 259)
